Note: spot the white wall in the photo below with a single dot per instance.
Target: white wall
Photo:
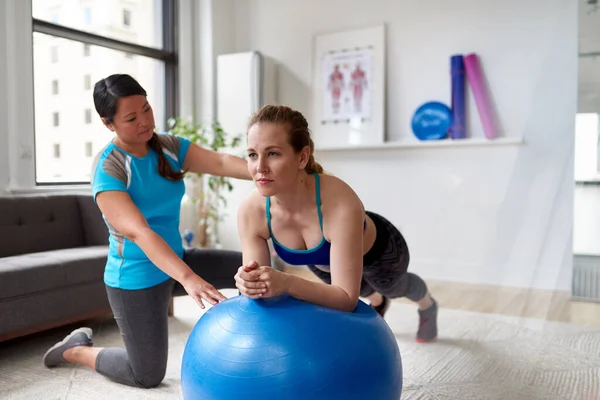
(212, 35)
(16, 128)
(3, 101)
(587, 220)
(500, 215)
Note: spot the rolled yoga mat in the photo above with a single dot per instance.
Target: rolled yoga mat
(457, 72)
(482, 99)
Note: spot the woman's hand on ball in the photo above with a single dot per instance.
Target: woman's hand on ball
(276, 281)
(247, 280)
(200, 290)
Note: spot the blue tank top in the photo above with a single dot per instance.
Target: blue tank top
(318, 255)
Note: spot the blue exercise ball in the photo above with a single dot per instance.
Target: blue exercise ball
(284, 348)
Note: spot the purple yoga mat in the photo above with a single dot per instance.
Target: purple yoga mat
(482, 99)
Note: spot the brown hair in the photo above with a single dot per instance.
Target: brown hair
(164, 168)
(298, 132)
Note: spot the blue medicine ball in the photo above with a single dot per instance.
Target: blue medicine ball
(284, 348)
(431, 121)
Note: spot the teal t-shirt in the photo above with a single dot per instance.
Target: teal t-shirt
(158, 199)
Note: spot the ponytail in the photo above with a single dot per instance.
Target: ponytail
(164, 168)
(312, 167)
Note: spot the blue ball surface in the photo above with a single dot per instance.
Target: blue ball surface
(284, 348)
(431, 121)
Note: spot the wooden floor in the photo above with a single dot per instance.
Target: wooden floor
(527, 303)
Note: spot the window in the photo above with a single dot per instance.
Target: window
(56, 150)
(54, 16)
(89, 52)
(154, 23)
(587, 143)
(87, 16)
(55, 87)
(88, 149)
(126, 18)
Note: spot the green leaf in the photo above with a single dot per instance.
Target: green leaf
(213, 136)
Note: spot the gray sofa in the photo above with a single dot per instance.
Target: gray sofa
(53, 249)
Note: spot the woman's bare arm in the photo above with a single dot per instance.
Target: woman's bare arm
(255, 249)
(121, 213)
(201, 160)
(346, 259)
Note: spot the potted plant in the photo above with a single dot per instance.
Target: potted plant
(205, 193)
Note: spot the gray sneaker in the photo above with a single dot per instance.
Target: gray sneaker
(79, 337)
(428, 324)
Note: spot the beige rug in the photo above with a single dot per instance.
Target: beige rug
(478, 357)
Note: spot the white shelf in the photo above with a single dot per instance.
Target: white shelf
(413, 143)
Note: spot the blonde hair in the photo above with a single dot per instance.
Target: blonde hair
(298, 132)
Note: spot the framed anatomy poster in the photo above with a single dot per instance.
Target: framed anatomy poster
(348, 88)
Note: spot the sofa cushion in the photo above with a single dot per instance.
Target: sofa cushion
(35, 272)
(94, 227)
(51, 308)
(30, 224)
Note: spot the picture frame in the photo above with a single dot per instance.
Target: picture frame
(348, 88)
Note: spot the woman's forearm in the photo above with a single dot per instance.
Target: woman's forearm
(320, 293)
(161, 254)
(235, 167)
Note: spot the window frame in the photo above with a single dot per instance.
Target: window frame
(167, 54)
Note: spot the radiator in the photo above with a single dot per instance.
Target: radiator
(586, 278)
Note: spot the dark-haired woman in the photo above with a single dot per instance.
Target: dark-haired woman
(137, 184)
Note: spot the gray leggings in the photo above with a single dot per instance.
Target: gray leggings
(385, 265)
(142, 317)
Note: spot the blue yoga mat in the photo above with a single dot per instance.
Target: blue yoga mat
(457, 73)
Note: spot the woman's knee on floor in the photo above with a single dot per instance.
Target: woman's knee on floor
(150, 378)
